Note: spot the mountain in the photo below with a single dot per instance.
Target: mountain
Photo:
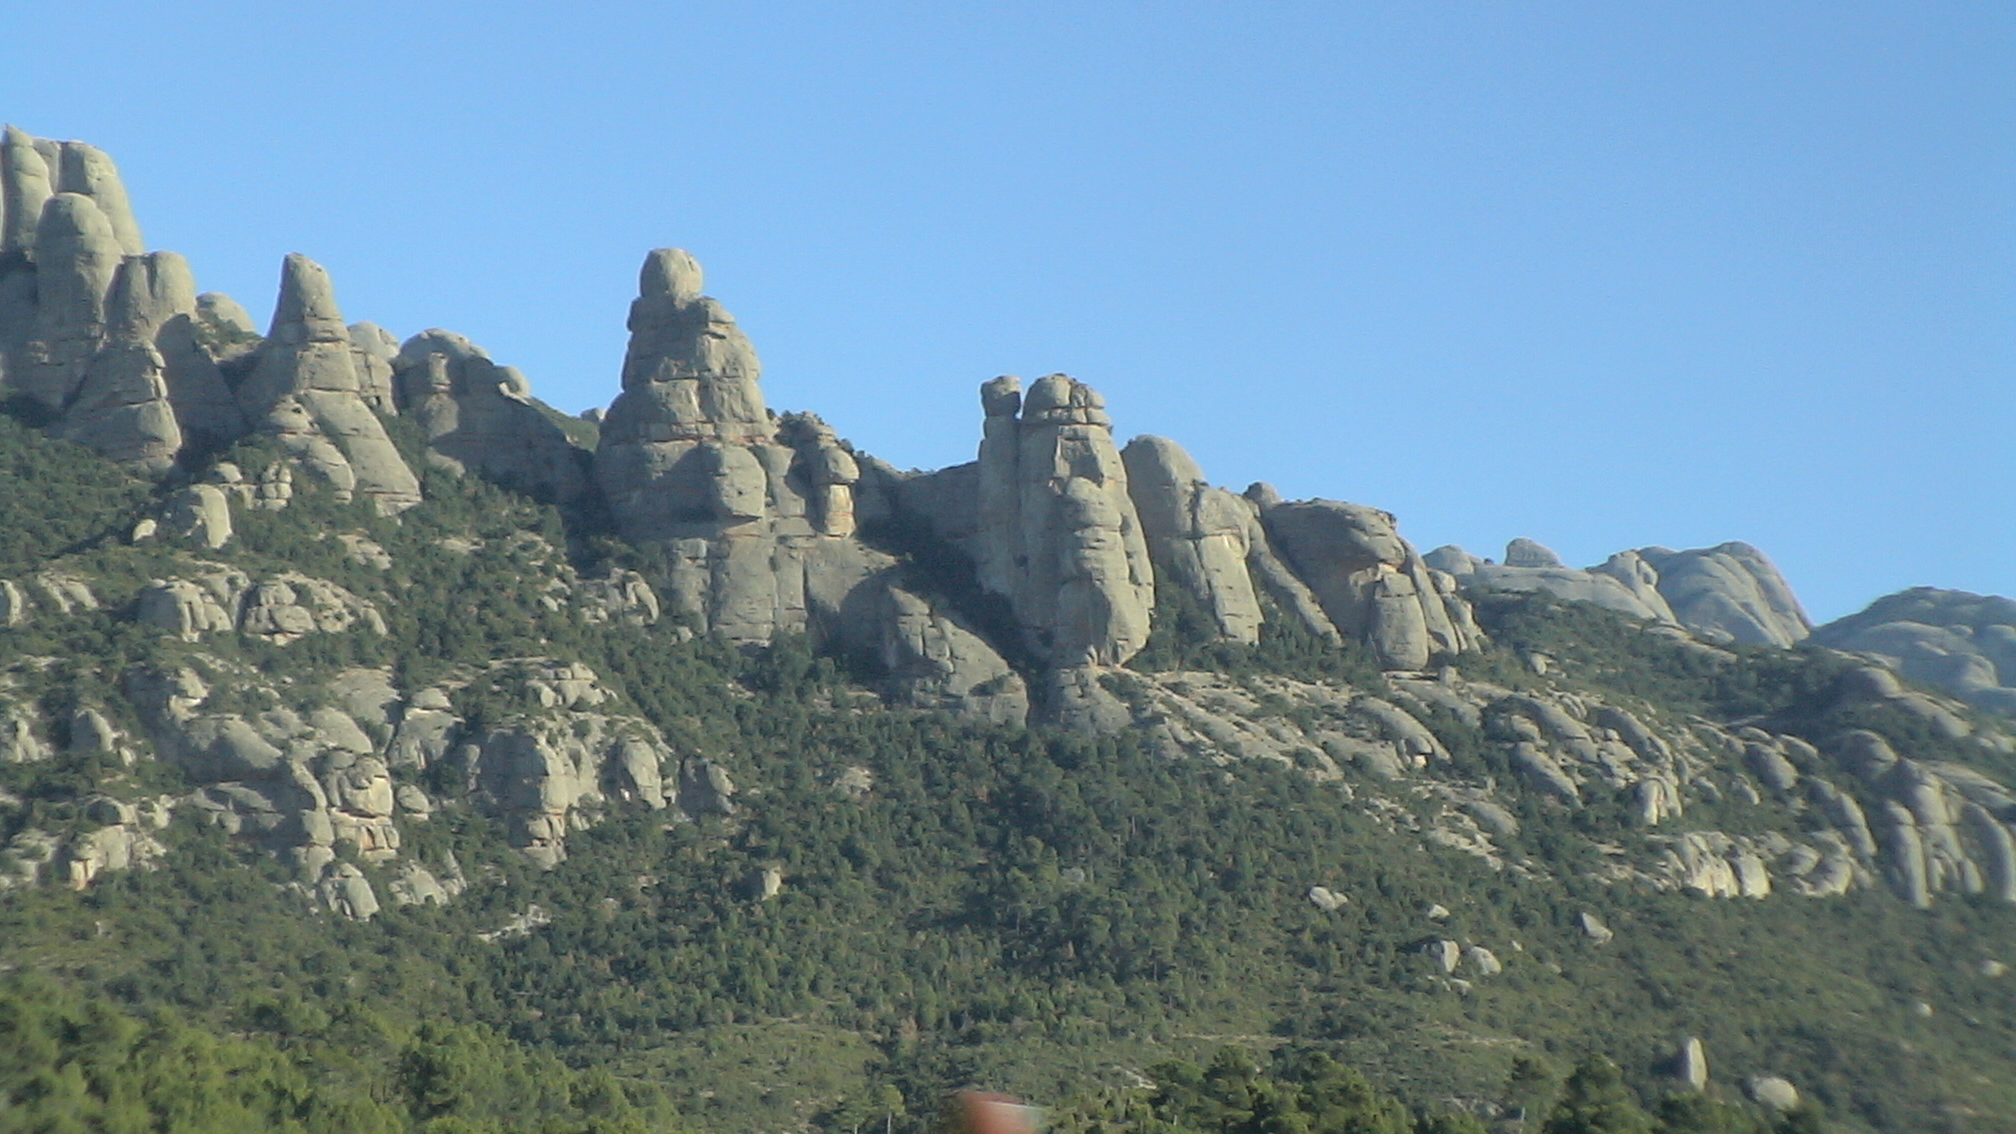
(427, 758)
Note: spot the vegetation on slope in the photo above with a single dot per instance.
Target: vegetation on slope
(1063, 916)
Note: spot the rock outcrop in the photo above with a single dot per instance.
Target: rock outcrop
(117, 349)
(1372, 585)
(934, 660)
(1728, 593)
(1057, 533)
(478, 415)
(94, 330)
(305, 392)
(316, 785)
(282, 608)
(1200, 538)
(754, 514)
(1962, 643)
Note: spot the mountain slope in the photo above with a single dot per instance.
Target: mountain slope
(356, 706)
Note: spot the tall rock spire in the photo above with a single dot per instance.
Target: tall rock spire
(304, 390)
(753, 513)
(1058, 534)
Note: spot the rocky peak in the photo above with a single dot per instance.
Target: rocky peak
(87, 170)
(690, 373)
(755, 513)
(1727, 593)
(1058, 535)
(32, 170)
(304, 390)
(25, 185)
(1372, 585)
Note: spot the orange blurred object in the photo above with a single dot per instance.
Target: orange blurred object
(981, 1112)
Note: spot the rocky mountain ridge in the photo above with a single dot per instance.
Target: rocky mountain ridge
(1069, 547)
(370, 615)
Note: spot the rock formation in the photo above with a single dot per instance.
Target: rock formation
(1022, 582)
(1728, 593)
(304, 391)
(754, 516)
(97, 333)
(1372, 585)
(1057, 533)
(477, 414)
(115, 347)
(1200, 538)
(1960, 642)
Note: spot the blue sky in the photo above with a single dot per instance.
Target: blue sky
(1600, 274)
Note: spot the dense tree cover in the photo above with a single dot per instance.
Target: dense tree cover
(83, 1063)
(58, 496)
(1307, 1091)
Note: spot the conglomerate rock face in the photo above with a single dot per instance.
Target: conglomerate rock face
(1200, 538)
(754, 514)
(1960, 642)
(1057, 532)
(475, 413)
(1012, 588)
(1728, 593)
(304, 391)
(1848, 813)
(95, 331)
(116, 348)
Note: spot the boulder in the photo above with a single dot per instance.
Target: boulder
(1445, 953)
(415, 885)
(14, 606)
(1594, 929)
(200, 514)
(1690, 1064)
(1483, 961)
(1326, 899)
(1773, 1093)
(1526, 553)
(621, 596)
(182, 608)
(345, 891)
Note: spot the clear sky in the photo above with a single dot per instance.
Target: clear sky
(1601, 274)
